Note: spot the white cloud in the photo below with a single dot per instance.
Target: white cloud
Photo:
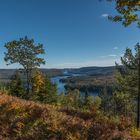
(115, 48)
(112, 55)
(104, 15)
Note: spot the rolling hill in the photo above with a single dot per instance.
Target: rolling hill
(5, 74)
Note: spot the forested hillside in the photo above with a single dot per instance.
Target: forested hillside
(5, 74)
(24, 120)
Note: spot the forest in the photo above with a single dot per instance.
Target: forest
(32, 109)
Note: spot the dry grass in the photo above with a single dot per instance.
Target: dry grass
(26, 120)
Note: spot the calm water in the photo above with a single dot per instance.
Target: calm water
(60, 85)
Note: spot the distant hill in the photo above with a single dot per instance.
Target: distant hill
(5, 74)
(93, 70)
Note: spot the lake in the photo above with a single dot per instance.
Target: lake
(61, 86)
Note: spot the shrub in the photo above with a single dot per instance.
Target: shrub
(24, 120)
(135, 132)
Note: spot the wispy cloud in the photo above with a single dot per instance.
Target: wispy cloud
(112, 55)
(115, 48)
(105, 15)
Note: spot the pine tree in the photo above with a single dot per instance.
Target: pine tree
(129, 77)
(50, 92)
(16, 86)
(42, 89)
(128, 12)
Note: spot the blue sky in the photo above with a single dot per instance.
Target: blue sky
(75, 33)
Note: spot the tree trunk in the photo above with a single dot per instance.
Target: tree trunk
(138, 100)
(86, 96)
(28, 82)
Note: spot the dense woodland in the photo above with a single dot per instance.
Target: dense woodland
(91, 83)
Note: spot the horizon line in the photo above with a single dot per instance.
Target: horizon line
(63, 68)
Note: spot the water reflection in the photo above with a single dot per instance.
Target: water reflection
(61, 86)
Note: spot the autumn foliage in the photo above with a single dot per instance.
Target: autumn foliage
(25, 120)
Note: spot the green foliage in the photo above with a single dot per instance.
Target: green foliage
(130, 76)
(4, 87)
(16, 87)
(93, 103)
(90, 83)
(128, 12)
(24, 52)
(123, 104)
(105, 100)
(49, 91)
(128, 80)
(42, 89)
(71, 99)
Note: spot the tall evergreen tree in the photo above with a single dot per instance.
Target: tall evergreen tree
(50, 92)
(129, 76)
(128, 12)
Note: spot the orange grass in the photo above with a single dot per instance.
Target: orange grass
(27, 120)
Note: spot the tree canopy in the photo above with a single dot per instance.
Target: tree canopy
(26, 53)
(128, 12)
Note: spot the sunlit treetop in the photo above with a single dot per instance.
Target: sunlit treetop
(25, 52)
(128, 12)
